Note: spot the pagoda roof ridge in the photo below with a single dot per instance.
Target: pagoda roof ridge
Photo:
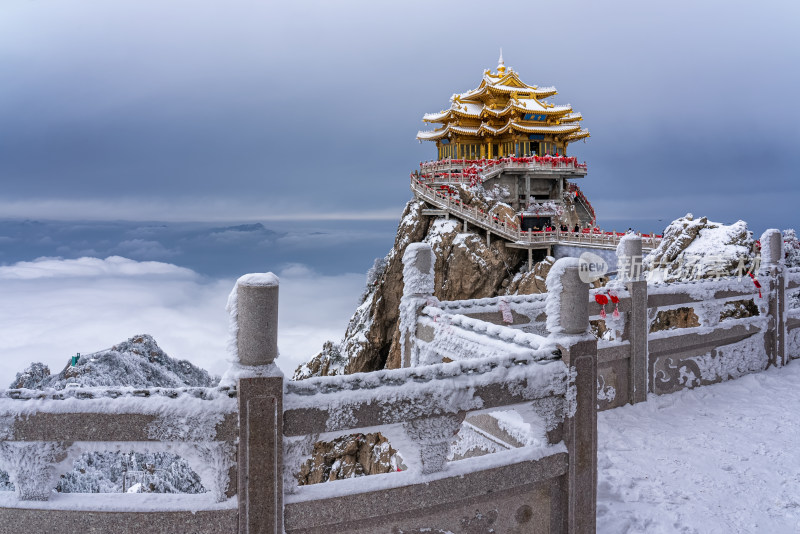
(430, 135)
(476, 110)
(508, 82)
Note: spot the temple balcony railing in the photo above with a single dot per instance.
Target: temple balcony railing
(445, 200)
(477, 171)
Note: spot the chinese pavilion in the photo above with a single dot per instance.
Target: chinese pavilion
(517, 140)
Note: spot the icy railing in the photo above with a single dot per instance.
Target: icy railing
(115, 393)
(518, 340)
(490, 304)
(42, 432)
(420, 411)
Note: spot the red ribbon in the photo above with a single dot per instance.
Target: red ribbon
(756, 283)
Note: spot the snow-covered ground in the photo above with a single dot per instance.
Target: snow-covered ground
(717, 459)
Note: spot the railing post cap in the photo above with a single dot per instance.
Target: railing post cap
(772, 247)
(253, 305)
(258, 280)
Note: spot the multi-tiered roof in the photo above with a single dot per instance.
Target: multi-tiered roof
(504, 116)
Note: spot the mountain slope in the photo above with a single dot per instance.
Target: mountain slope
(136, 362)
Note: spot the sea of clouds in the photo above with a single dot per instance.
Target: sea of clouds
(53, 308)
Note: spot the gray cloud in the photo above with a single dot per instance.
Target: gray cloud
(243, 110)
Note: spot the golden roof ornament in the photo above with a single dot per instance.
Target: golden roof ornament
(501, 67)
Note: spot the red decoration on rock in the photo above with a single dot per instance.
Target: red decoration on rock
(602, 300)
(615, 299)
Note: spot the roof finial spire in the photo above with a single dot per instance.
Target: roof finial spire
(501, 68)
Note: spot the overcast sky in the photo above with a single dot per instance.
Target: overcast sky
(251, 110)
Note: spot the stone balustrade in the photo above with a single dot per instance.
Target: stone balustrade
(463, 361)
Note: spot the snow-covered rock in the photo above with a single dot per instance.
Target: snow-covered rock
(791, 248)
(696, 248)
(136, 362)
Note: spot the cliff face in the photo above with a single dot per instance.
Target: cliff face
(466, 268)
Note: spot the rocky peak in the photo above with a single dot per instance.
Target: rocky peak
(136, 362)
(695, 248)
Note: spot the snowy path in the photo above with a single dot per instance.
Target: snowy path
(718, 459)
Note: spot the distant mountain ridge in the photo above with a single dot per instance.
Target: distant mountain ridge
(136, 362)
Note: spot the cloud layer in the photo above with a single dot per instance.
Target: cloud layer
(249, 110)
(53, 308)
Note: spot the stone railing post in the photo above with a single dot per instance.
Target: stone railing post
(418, 269)
(772, 267)
(629, 271)
(567, 307)
(260, 393)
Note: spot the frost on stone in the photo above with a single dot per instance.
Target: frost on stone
(554, 290)
(340, 416)
(418, 270)
(621, 251)
(232, 307)
(33, 467)
(721, 363)
(734, 360)
(766, 245)
(236, 371)
(571, 394)
(6, 427)
(472, 442)
(296, 450)
(196, 426)
(453, 337)
(213, 463)
(432, 436)
(551, 410)
(526, 431)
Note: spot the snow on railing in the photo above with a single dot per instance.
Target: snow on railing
(56, 426)
(419, 409)
(201, 393)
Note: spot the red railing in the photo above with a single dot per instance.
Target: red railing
(475, 171)
(446, 198)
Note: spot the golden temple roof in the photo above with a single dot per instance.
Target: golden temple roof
(503, 103)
